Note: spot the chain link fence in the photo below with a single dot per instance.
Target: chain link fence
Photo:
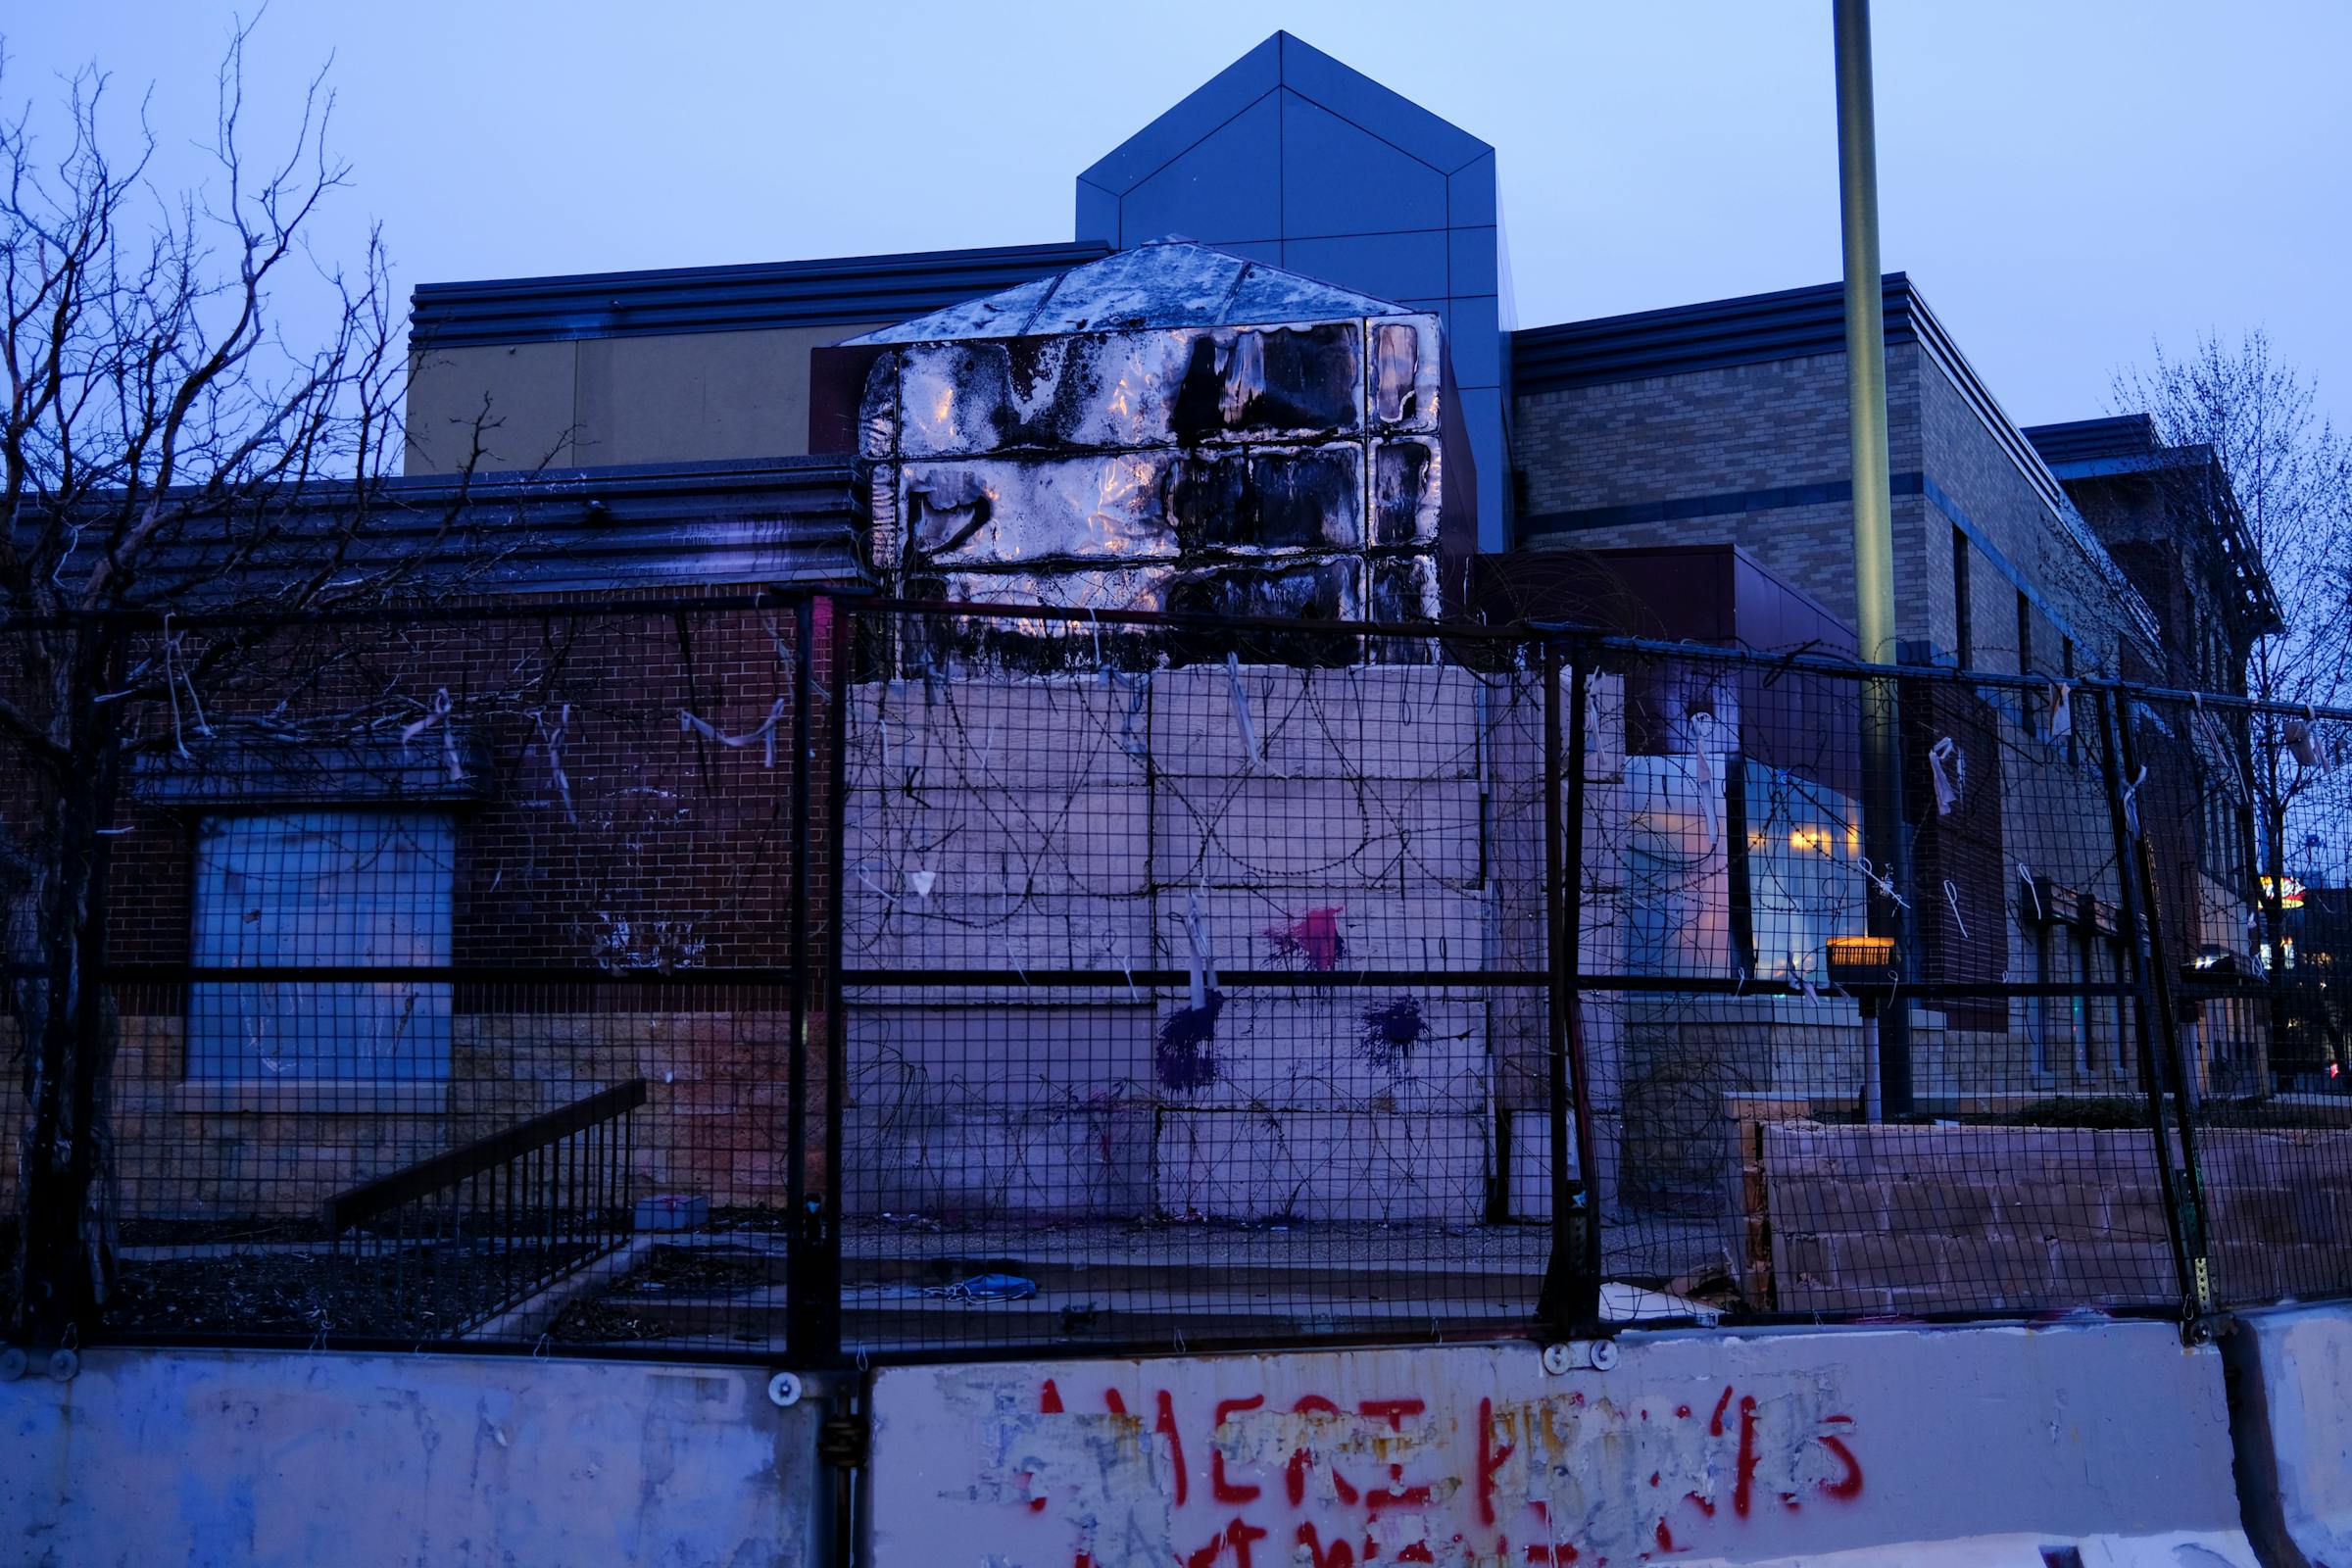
(818, 978)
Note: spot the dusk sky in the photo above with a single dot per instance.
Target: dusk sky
(2066, 181)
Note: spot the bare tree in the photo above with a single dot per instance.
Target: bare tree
(2237, 412)
(164, 448)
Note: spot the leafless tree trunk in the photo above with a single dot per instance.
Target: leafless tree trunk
(162, 447)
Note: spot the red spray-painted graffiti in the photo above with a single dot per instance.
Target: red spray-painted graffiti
(1389, 1481)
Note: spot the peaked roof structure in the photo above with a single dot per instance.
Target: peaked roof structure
(1281, 92)
(1172, 282)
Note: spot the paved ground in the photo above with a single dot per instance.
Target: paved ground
(924, 1286)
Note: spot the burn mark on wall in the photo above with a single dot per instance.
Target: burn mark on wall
(1402, 589)
(1396, 364)
(1295, 379)
(1315, 590)
(1262, 500)
(1400, 498)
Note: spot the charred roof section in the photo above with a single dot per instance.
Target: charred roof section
(1169, 282)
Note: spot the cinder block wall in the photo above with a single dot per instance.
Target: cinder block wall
(1390, 818)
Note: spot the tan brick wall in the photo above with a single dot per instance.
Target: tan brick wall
(1784, 424)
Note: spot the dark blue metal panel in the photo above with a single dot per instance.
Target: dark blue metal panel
(1391, 267)
(1470, 194)
(1477, 339)
(1473, 262)
(1201, 112)
(1340, 179)
(1372, 189)
(1225, 188)
(719, 299)
(1097, 213)
(1358, 98)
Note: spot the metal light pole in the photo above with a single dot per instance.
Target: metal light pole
(1873, 520)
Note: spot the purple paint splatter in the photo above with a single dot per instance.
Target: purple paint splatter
(1391, 1031)
(1187, 1057)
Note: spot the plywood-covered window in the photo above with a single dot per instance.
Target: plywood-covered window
(365, 893)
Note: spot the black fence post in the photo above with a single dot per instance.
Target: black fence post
(2172, 1060)
(804, 1317)
(2155, 1022)
(835, 694)
(1570, 1303)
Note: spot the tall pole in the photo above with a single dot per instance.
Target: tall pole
(1865, 337)
(1874, 507)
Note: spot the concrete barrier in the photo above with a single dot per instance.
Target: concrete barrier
(270, 1459)
(2289, 1370)
(2101, 1444)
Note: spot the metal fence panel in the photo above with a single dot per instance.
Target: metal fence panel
(814, 978)
(458, 992)
(1195, 985)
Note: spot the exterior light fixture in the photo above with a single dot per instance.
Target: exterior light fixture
(1861, 961)
(1865, 967)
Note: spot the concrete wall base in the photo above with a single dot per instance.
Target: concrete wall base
(2101, 1444)
(293, 1460)
(2290, 1369)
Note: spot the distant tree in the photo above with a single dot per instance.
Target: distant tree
(2290, 475)
(164, 447)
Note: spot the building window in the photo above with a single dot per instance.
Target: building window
(1964, 643)
(323, 889)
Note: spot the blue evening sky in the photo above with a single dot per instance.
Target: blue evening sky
(2067, 180)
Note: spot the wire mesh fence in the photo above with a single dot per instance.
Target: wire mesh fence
(2244, 808)
(1176, 989)
(457, 967)
(818, 978)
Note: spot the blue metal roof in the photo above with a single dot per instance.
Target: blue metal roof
(740, 522)
(2086, 451)
(1283, 60)
(1752, 329)
(839, 291)
(2125, 437)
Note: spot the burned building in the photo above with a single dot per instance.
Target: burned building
(1173, 428)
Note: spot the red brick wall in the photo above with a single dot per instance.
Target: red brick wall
(675, 854)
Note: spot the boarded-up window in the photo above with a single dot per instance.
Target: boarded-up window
(364, 890)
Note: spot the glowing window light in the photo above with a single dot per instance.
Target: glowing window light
(2285, 889)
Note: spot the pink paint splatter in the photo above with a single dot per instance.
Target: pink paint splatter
(1314, 939)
